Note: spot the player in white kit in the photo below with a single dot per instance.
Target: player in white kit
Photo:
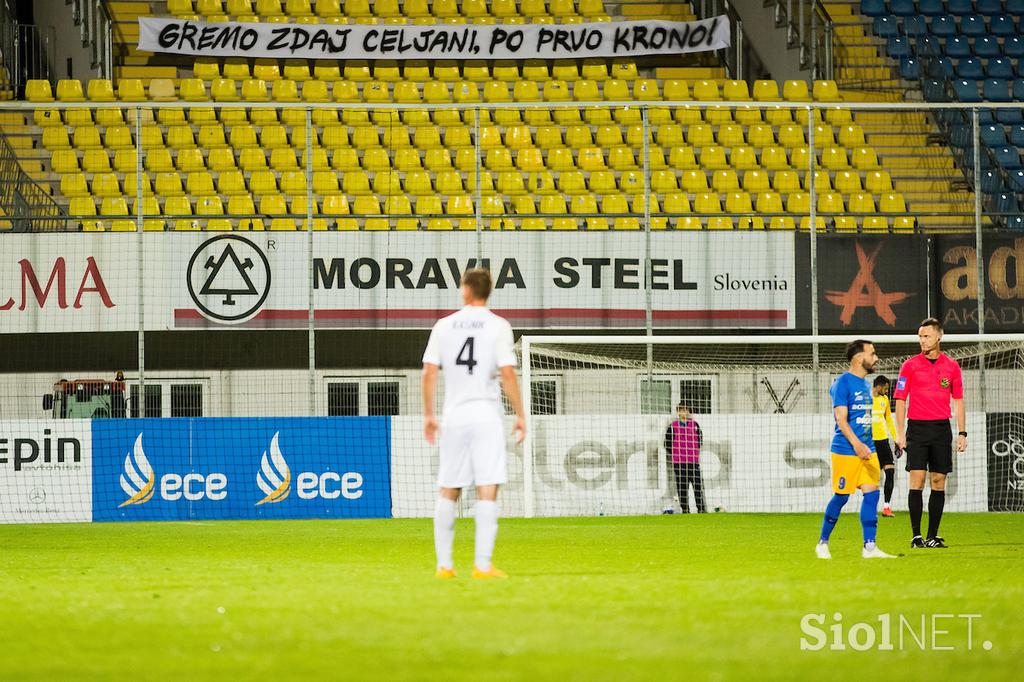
(474, 348)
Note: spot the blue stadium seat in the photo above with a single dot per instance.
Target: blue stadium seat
(1002, 25)
(1000, 67)
(960, 7)
(910, 69)
(1017, 135)
(931, 8)
(958, 46)
(987, 46)
(1015, 223)
(940, 68)
(992, 182)
(886, 26)
(1008, 158)
(989, 7)
(873, 8)
(903, 8)
(970, 68)
(968, 161)
(1005, 202)
(1016, 180)
(897, 46)
(966, 91)
(993, 136)
(944, 26)
(973, 25)
(929, 46)
(996, 90)
(1018, 90)
(960, 136)
(915, 26)
(1015, 7)
(1013, 117)
(934, 91)
(1013, 47)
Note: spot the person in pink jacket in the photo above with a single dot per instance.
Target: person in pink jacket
(683, 440)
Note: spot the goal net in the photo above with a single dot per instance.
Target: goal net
(599, 408)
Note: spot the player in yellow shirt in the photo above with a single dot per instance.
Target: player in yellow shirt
(882, 429)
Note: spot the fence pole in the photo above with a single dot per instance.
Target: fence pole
(813, 230)
(140, 269)
(648, 274)
(976, 140)
(479, 190)
(310, 321)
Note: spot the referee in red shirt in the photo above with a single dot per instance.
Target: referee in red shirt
(929, 381)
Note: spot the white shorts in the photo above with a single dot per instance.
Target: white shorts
(473, 453)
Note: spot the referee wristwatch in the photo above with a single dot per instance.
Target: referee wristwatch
(963, 433)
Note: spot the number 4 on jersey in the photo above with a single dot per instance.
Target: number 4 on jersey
(465, 356)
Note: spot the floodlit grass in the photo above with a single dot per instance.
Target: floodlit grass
(650, 598)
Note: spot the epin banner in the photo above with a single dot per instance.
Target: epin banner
(241, 468)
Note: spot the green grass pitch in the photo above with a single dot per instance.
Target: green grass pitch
(651, 598)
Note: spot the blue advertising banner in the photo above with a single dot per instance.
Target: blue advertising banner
(241, 468)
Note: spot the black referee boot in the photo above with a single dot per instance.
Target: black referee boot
(917, 543)
(935, 542)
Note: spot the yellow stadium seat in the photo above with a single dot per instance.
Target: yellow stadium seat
(180, 137)
(293, 182)
(548, 137)
(681, 157)
(96, 161)
(786, 181)
(795, 91)
(578, 136)
(768, 202)
(874, 223)
(822, 181)
(437, 159)
(616, 204)
(669, 135)
(158, 160)
(149, 207)
(677, 203)
(730, 135)
(106, 185)
(584, 204)
(189, 160)
(759, 136)
(847, 182)
(252, 159)
(712, 157)
(337, 205)
(116, 137)
(561, 158)
(541, 182)
(707, 202)
(297, 70)
(892, 202)
(428, 207)
(396, 137)
(525, 206)
(844, 223)
(212, 137)
(199, 184)
(345, 160)
(700, 136)
(320, 162)
(407, 160)
(180, 8)
(602, 182)
(851, 135)
(231, 183)
(738, 203)
(45, 118)
(706, 91)
(74, 185)
(461, 205)
(64, 161)
(798, 202)
(262, 182)
(878, 182)
(800, 157)
(623, 69)
(791, 136)
(255, 90)
(518, 137)
(572, 182)
(861, 202)
(620, 157)
(755, 181)
(831, 203)
(743, 158)
(386, 183)
(646, 90)
(555, 204)
(774, 158)
(70, 90)
(530, 160)
(429, 137)
(243, 136)
(376, 159)
(55, 138)
(133, 180)
(283, 159)
(664, 181)
(693, 181)
(824, 135)
(825, 91)
(399, 205)
(634, 136)
(241, 207)
(38, 91)
(865, 159)
(449, 182)
(335, 137)
(590, 158)
(168, 184)
(325, 182)
(85, 206)
(725, 181)
(608, 135)
(276, 205)
(834, 158)
(355, 183)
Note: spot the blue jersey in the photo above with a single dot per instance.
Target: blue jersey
(853, 393)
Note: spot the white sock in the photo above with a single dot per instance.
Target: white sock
(486, 532)
(444, 531)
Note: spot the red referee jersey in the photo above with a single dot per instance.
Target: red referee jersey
(929, 386)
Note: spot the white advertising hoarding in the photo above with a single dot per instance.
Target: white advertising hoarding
(45, 471)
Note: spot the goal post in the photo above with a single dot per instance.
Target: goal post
(597, 407)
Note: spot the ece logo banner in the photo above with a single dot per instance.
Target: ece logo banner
(241, 468)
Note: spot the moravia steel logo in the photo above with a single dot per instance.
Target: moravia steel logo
(274, 477)
(228, 278)
(137, 480)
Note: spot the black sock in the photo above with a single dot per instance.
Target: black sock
(936, 502)
(890, 483)
(916, 504)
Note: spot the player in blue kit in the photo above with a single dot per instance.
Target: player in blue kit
(854, 462)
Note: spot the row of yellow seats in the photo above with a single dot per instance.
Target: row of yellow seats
(287, 90)
(210, 215)
(387, 8)
(418, 71)
(455, 136)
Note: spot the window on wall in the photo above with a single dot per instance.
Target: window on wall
(153, 406)
(545, 394)
(663, 393)
(372, 397)
(168, 398)
(186, 400)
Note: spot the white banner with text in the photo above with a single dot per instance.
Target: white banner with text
(436, 41)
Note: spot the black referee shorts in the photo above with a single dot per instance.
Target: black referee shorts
(930, 446)
(884, 452)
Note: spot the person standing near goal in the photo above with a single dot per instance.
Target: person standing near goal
(929, 381)
(854, 462)
(474, 348)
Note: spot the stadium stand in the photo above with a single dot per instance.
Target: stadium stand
(588, 163)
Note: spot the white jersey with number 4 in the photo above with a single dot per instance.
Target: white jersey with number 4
(470, 346)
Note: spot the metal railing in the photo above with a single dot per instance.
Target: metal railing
(26, 51)
(26, 206)
(96, 26)
(741, 60)
(810, 29)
